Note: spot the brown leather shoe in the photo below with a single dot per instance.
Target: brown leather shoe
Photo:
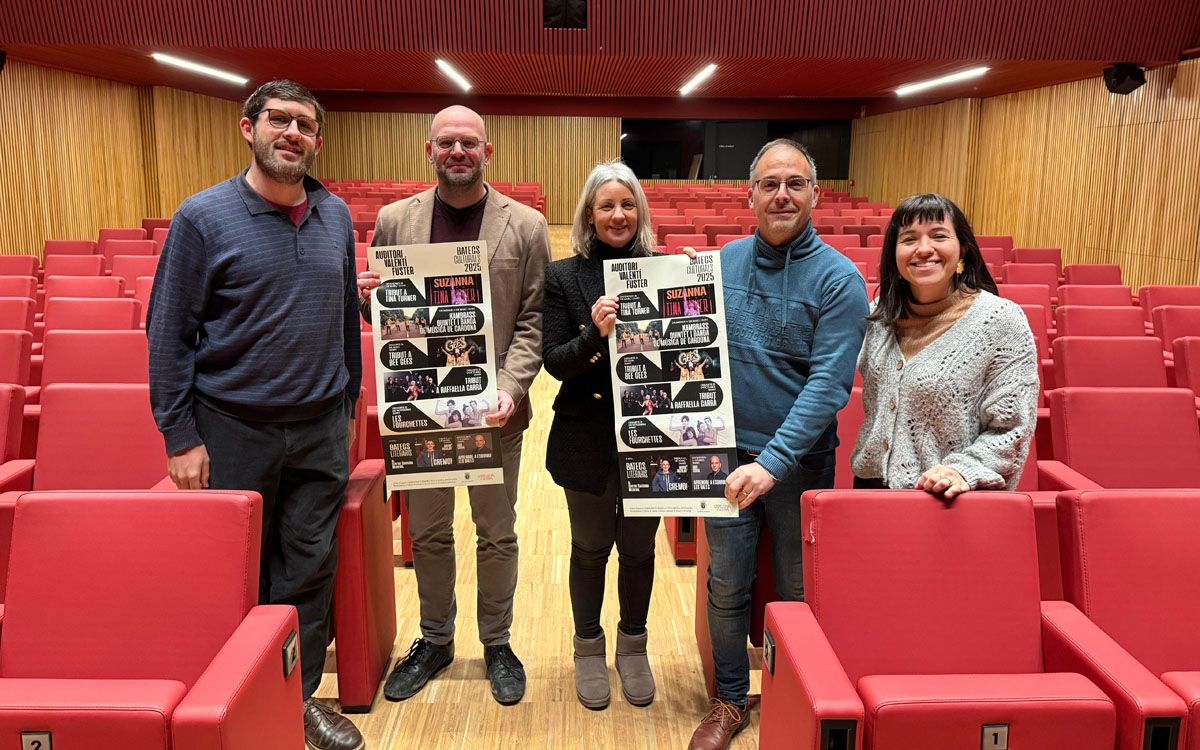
(719, 727)
(326, 729)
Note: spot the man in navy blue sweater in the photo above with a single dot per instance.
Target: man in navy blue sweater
(254, 362)
(795, 314)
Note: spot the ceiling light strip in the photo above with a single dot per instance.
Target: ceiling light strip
(196, 67)
(697, 79)
(962, 75)
(453, 74)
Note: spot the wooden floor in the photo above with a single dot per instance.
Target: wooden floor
(456, 709)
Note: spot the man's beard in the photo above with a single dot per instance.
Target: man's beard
(277, 169)
(458, 180)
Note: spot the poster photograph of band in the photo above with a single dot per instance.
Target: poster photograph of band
(675, 432)
(435, 365)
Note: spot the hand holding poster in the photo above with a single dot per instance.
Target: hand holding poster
(675, 432)
(436, 365)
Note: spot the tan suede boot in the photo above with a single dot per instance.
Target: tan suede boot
(591, 672)
(637, 681)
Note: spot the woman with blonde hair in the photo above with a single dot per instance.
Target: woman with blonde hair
(612, 220)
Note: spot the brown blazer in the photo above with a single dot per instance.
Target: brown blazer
(518, 247)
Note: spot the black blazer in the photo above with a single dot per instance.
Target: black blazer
(581, 449)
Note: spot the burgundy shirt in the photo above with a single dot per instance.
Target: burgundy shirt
(295, 213)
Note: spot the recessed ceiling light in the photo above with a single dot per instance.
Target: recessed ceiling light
(697, 79)
(961, 75)
(195, 67)
(453, 74)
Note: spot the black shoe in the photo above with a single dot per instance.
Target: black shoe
(326, 729)
(420, 664)
(507, 674)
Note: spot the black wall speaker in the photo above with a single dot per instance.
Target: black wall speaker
(1123, 78)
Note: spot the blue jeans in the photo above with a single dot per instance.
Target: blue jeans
(733, 546)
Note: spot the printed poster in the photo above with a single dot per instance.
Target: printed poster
(435, 365)
(675, 431)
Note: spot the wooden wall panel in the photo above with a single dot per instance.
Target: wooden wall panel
(556, 151)
(924, 150)
(71, 159)
(1108, 178)
(197, 144)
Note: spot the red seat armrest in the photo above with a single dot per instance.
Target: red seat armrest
(243, 699)
(164, 485)
(16, 476)
(1055, 476)
(808, 685)
(1073, 643)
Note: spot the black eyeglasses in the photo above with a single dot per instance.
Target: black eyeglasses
(282, 120)
(447, 144)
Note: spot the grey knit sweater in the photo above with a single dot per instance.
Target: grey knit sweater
(967, 401)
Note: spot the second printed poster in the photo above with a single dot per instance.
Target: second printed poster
(675, 432)
(435, 365)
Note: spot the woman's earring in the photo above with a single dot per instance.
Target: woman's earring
(960, 268)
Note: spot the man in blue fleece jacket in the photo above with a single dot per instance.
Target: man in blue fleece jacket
(255, 366)
(795, 314)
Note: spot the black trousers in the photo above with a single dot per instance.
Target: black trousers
(301, 470)
(597, 523)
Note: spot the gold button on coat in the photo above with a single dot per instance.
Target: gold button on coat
(900, 364)
(597, 396)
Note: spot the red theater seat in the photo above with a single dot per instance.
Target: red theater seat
(993, 256)
(1033, 273)
(113, 248)
(131, 267)
(1030, 294)
(18, 286)
(74, 356)
(1092, 273)
(849, 422)
(16, 313)
(73, 265)
(681, 228)
(1108, 361)
(1099, 321)
(1002, 241)
(160, 645)
(841, 241)
(676, 241)
(1104, 295)
(15, 348)
(1130, 564)
(18, 265)
(69, 247)
(1155, 295)
(1187, 364)
(868, 256)
(93, 287)
(12, 401)
(1175, 322)
(890, 650)
(1119, 438)
(1039, 255)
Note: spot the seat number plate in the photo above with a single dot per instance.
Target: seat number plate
(36, 741)
(995, 737)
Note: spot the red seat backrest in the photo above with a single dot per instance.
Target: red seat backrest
(1039, 255)
(675, 241)
(110, 235)
(1156, 295)
(16, 313)
(1036, 316)
(74, 265)
(1002, 241)
(1032, 273)
(885, 569)
(97, 436)
(15, 348)
(842, 241)
(665, 229)
(1092, 273)
(1105, 295)
(91, 287)
(1109, 361)
(69, 247)
(875, 240)
(993, 255)
(169, 577)
(92, 314)
(1175, 322)
(18, 286)
(130, 267)
(1096, 320)
(113, 248)
(95, 357)
(1131, 564)
(18, 265)
(142, 287)
(1127, 437)
(1187, 363)
(1029, 294)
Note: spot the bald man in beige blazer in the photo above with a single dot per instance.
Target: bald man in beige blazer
(464, 208)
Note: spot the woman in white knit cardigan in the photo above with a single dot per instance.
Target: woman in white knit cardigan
(950, 379)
